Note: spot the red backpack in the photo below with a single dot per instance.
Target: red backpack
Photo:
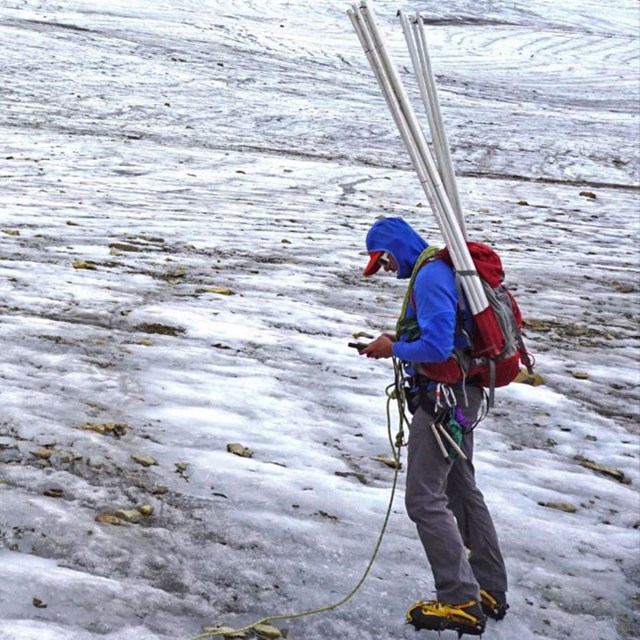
(497, 348)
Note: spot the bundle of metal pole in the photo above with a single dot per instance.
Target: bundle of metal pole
(416, 39)
(423, 85)
(363, 20)
(387, 91)
(433, 182)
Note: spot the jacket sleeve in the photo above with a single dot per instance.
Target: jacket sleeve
(436, 302)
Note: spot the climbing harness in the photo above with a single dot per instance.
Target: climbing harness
(394, 391)
(449, 423)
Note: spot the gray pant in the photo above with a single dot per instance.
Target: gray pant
(451, 514)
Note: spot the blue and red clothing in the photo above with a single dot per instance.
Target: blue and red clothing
(434, 301)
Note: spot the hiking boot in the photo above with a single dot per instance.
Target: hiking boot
(494, 603)
(439, 616)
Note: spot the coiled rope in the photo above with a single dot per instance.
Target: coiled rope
(395, 392)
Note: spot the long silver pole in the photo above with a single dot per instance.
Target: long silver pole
(373, 57)
(417, 67)
(431, 181)
(453, 235)
(445, 161)
(418, 52)
(434, 181)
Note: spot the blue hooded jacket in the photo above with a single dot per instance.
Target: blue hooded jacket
(435, 296)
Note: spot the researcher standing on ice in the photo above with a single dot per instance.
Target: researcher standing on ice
(441, 493)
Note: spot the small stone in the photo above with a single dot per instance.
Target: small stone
(84, 264)
(239, 450)
(160, 490)
(536, 325)
(109, 428)
(354, 474)
(44, 453)
(181, 470)
(161, 329)
(145, 461)
(38, 604)
(129, 515)
(588, 194)
(567, 507)
(53, 493)
(123, 246)
(11, 232)
(107, 518)
(624, 287)
(222, 291)
(146, 510)
(606, 470)
(580, 375)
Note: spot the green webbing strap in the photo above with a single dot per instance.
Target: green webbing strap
(425, 256)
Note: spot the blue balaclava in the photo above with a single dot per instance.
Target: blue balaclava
(398, 238)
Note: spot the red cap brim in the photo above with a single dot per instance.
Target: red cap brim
(374, 265)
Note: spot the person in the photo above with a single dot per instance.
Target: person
(441, 493)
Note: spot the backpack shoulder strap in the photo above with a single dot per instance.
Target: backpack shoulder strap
(428, 255)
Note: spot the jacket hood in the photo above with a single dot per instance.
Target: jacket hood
(398, 238)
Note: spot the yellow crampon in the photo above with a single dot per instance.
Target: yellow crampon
(466, 617)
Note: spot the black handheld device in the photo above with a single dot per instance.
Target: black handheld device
(358, 345)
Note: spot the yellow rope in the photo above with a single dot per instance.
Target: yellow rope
(394, 392)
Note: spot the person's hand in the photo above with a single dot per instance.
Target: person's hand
(381, 347)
